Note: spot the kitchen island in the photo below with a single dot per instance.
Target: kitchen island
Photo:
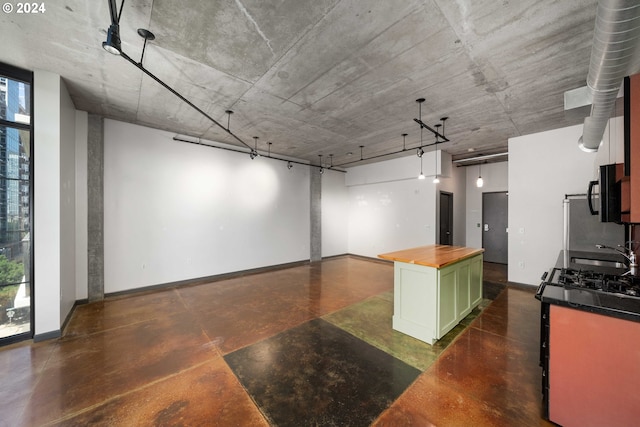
(435, 287)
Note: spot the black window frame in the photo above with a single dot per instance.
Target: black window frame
(25, 76)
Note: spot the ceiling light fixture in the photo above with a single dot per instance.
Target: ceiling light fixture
(436, 180)
(479, 181)
(289, 165)
(420, 151)
(113, 44)
(421, 176)
(254, 153)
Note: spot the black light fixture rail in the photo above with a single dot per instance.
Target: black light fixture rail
(113, 45)
(269, 156)
(185, 100)
(440, 138)
(378, 156)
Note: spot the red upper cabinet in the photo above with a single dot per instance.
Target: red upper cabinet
(630, 182)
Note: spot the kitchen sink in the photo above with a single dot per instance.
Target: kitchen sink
(598, 262)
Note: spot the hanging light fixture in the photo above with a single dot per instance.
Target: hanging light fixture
(436, 180)
(254, 153)
(479, 181)
(420, 151)
(321, 168)
(112, 45)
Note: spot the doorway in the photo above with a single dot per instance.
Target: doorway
(494, 226)
(446, 218)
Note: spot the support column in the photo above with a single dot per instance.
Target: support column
(95, 195)
(316, 214)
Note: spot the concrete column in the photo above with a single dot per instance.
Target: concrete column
(95, 195)
(316, 215)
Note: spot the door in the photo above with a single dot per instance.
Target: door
(494, 226)
(446, 218)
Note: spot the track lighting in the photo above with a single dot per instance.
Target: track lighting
(112, 45)
(420, 152)
(321, 171)
(289, 165)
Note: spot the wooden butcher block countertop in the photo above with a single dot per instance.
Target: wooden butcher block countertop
(436, 256)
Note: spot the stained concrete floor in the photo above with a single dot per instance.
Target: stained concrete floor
(309, 345)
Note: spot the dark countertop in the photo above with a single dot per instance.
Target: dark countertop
(608, 304)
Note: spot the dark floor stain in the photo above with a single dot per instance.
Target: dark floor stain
(318, 374)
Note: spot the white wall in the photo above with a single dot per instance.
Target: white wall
(81, 214)
(390, 209)
(54, 202)
(46, 230)
(496, 178)
(67, 203)
(335, 205)
(543, 167)
(177, 211)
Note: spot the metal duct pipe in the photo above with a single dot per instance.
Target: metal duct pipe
(615, 54)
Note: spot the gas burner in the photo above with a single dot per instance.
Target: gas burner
(592, 280)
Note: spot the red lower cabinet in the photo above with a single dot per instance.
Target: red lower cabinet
(594, 369)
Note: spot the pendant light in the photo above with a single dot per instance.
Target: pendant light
(479, 181)
(436, 180)
(420, 151)
(254, 153)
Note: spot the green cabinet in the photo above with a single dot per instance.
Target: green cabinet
(429, 302)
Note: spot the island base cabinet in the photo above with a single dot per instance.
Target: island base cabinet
(429, 302)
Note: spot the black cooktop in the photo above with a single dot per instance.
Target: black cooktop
(592, 290)
(626, 285)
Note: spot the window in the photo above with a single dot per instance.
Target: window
(16, 287)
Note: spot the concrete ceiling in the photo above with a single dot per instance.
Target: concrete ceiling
(320, 76)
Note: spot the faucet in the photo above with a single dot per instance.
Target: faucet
(628, 254)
